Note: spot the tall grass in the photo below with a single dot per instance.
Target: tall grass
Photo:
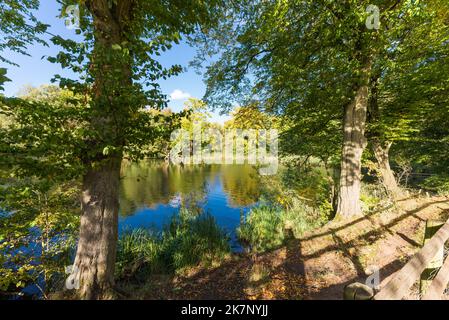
(268, 227)
(187, 241)
(138, 251)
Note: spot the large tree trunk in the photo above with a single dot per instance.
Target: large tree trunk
(97, 243)
(381, 152)
(354, 142)
(96, 252)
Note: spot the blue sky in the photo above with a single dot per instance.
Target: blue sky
(36, 71)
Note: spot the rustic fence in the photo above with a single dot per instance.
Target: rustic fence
(426, 262)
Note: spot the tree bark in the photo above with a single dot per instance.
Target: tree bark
(379, 145)
(354, 143)
(381, 152)
(96, 253)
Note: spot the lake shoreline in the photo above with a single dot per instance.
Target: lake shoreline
(316, 266)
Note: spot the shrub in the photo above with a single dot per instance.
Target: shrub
(311, 185)
(371, 195)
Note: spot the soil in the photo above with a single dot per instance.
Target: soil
(316, 266)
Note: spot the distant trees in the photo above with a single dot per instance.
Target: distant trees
(251, 117)
(163, 123)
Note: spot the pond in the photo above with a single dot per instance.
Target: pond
(153, 191)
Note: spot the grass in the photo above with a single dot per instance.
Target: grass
(259, 273)
(268, 227)
(187, 241)
(138, 250)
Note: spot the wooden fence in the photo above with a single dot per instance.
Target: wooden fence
(402, 281)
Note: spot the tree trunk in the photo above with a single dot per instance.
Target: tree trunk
(354, 142)
(96, 253)
(379, 144)
(386, 174)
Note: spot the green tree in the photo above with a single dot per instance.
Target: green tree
(119, 72)
(19, 27)
(313, 62)
(406, 84)
(88, 137)
(251, 117)
(41, 213)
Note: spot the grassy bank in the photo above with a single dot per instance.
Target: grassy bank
(268, 227)
(187, 241)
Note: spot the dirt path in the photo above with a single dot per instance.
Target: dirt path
(385, 239)
(318, 265)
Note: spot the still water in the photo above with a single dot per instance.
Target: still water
(153, 191)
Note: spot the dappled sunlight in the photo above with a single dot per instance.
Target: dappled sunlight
(303, 146)
(320, 264)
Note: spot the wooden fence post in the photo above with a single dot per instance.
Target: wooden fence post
(432, 226)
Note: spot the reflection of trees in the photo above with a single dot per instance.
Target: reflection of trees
(190, 183)
(148, 183)
(241, 183)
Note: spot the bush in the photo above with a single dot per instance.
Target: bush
(188, 240)
(307, 188)
(371, 195)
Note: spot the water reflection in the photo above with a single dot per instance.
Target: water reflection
(152, 191)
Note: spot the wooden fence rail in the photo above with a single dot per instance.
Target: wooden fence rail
(404, 279)
(401, 282)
